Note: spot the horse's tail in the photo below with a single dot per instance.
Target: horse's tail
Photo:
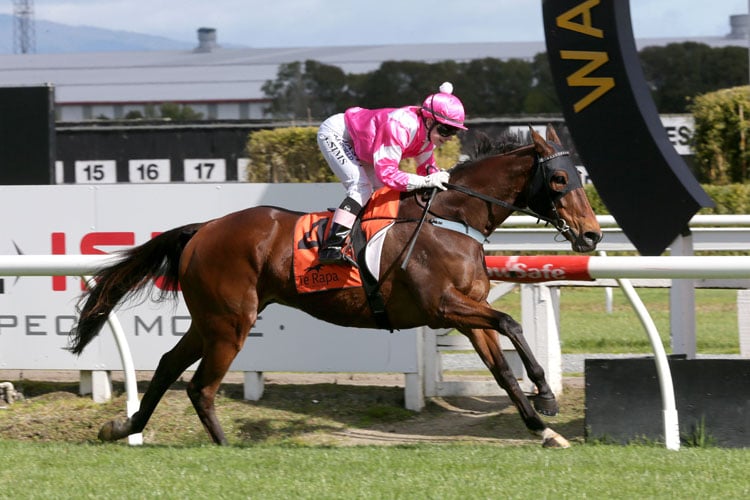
(159, 257)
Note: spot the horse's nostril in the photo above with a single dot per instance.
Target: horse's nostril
(593, 236)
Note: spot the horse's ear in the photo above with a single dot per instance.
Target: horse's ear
(552, 135)
(539, 142)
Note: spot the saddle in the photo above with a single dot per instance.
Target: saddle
(310, 232)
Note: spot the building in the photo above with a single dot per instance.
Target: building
(225, 84)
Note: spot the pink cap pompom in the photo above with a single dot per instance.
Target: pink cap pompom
(446, 88)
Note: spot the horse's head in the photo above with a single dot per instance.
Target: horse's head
(556, 192)
(538, 179)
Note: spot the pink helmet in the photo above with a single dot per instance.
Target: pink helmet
(445, 107)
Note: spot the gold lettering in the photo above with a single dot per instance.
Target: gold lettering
(581, 79)
(565, 20)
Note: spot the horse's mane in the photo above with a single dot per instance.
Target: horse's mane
(485, 146)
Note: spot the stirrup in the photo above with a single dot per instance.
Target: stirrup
(330, 255)
(335, 255)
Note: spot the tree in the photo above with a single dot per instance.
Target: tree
(327, 88)
(314, 91)
(287, 92)
(542, 97)
(678, 72)
(495, 87)
(402, 83)
(491, 87)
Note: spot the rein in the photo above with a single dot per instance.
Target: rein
(495, 201)
(557, 222)
(419, 227)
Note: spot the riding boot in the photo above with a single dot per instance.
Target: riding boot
(331, 251)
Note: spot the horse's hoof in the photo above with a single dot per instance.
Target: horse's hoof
(551, 439)
(112, 431)
(545, 406)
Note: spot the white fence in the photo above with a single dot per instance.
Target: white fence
(292, 346)
(34, 319)
(543, 330)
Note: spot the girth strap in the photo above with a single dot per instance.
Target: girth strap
(369, 282)
(459, 227)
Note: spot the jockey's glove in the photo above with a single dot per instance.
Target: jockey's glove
(436, 180)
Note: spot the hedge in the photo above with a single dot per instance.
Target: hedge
(287, 154)
(291, 155)
(720, 140)
(729, 198)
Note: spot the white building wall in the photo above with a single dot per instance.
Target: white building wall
(212, 111)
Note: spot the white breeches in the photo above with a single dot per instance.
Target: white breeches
(358, 179)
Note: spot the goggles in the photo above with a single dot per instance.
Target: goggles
(446, 130)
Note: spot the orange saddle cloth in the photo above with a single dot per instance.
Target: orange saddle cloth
(311, 230)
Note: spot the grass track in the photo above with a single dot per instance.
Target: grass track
(36, 470)
(277, 464)
(587, 327)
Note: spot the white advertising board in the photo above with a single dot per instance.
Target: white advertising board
(36, 313)
(679, 129)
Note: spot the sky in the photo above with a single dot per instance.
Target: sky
(302, 23)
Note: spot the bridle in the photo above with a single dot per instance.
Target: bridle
(540, 196)
(539, 183)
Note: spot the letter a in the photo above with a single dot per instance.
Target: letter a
(565, 20)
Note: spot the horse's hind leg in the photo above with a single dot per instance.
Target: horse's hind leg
(172, 364)
(205, 383)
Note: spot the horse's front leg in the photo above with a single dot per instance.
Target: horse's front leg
(486, 344)
(481, 324)
(544, 400)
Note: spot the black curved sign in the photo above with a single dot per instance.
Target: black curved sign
(614, 123)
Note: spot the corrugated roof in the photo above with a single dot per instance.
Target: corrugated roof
(235, 74)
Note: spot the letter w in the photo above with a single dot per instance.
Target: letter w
(581, 79)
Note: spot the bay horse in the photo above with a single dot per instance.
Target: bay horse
(230, 268)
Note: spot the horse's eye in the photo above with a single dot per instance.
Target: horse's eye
(559, 179)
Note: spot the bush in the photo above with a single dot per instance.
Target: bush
(730, 199)
(722, 125)
(291, 154)
(288, 154)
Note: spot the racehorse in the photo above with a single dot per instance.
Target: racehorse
(230, 268)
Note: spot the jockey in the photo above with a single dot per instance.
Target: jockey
(363, 147)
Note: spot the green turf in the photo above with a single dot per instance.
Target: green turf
(60, 471)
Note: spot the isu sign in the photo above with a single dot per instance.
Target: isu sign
(68, 222)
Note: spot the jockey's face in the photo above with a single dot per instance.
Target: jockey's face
(440, 133)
